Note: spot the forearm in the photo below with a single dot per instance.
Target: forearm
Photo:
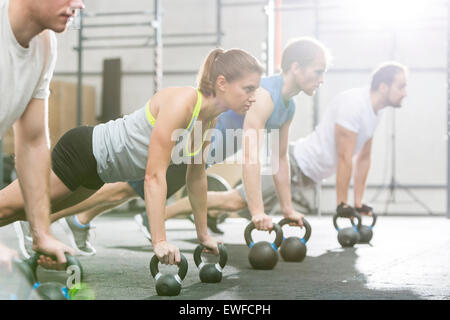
(197, 187)
(251, 179)
(343, 176)
(359, 179)
(155, 191)
(282, 183)
(33, 170)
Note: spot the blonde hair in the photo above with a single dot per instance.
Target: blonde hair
(233, 64)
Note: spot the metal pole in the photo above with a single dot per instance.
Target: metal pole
(318, 188)
(119, 25)
(278, 37)
(80, 73)
(157, 25)
(2, 180)
(219, 24)
(244, 3)
(147, 36)
(270, 12)
(448, 110)
(148, 45)
(118, 13)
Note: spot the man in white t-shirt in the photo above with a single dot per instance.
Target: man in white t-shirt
(27, 61)
(345, 134)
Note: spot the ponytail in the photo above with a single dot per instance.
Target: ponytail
(232, 64)
(205, 84)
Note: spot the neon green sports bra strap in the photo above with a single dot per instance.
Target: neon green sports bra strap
(191, 154)
(198, 106)
(150, 117)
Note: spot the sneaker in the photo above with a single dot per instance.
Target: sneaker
(345, 212)
(78, 235)
(245, 213)
(212, 222)
(142, 221)
(25, 238)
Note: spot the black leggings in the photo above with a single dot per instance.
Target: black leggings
(73, 160)
(175, 179)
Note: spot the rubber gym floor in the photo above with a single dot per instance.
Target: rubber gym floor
(408, 259)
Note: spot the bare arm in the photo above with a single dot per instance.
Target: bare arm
(345, 146)
(32, 150)
(33, 165)
(255, 120)
(282, 177)
(177, 109)
(6, 257)
(197, 187)
(362, 166)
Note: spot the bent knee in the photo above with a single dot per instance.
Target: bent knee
(9, 215)
(122, 191)
(233, 200)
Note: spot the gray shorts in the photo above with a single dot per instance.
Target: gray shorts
(300, 184)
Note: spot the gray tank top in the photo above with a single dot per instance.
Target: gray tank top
(121, 146)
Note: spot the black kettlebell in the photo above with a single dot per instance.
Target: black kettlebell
(72, 265)
(293, 249)
(168, 284)
(52, 291)
(263, 255)
(366, 232)
(348, 237)
(210, 272)
(26, 282)
(46, 291)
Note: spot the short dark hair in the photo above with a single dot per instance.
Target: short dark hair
(385, 73)
(303, 51)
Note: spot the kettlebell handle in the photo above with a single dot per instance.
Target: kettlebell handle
(305, 224)
(24, 268)
(374, 219)
(356, 215)
(276, 228)
(223, 255)
(182, 267)
(71, 261)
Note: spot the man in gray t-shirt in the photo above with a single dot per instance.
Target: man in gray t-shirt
(27, 61)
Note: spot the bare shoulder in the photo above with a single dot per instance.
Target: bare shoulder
(180, 96)
(263, 94)
(263, 106)
(177, 102)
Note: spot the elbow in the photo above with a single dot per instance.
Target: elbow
(344, 158)
(154, 178)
